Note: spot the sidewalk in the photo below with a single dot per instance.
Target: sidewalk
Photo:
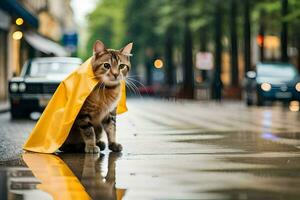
(4, 106)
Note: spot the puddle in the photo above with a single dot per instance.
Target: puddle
(64, 176)
(250, 142)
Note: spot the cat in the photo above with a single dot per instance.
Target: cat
(98, 112)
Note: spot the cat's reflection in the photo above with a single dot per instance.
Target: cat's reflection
(98, 181)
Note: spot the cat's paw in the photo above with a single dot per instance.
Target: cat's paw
(115, 147)
(101, 145)
(92, 149)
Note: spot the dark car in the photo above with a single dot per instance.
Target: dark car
(272, 82)
(30, 92)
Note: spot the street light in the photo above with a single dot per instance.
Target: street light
(158, 63)
(17, 35)
(19, 21)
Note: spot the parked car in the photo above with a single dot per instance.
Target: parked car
(272, 82)
(39, 78)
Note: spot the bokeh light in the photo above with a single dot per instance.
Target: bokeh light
(17, 35)
(266, 87)
(294, 106)
(297, 87)
(19, 21)
(158, 63)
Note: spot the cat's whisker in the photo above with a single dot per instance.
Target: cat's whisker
(132, 76)
(141, 84)
(135, 88)
(130, 87)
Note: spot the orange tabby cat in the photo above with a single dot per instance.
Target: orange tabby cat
(98, 112)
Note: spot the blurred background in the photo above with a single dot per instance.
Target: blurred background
(211, 129)
(192, 49)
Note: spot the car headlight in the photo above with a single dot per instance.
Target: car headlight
(266, 87)
(22, 87)
(14, 87)
(298, 87)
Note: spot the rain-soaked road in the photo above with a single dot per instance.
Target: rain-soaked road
(172, 150)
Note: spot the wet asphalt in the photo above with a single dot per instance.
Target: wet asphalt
(172, 150)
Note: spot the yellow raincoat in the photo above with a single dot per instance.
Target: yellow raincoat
(57, 179)
(55, 176)
(55, 123)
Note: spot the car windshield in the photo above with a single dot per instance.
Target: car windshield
(39, 69)
(276, 71)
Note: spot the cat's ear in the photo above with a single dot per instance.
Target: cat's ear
(127, 49)
(98, 47)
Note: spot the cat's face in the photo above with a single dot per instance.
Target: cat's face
(111, 66)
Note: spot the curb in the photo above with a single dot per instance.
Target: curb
(4, 108)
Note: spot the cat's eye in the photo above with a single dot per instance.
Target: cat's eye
(122, 66)
(106, 65)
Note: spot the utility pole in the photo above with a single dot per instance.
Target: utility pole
(217, 83)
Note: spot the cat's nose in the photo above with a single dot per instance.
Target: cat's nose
(115, 75)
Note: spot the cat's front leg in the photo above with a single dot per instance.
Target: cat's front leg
(109, 125)
(88, 134)
(99, 137)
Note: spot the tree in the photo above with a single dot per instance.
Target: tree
(140, 22)
(261, 35)
(169, 48)
(234, 50)
(284, 31)
(217, 83)
(188, 75)
(247, 36)
(105, 23)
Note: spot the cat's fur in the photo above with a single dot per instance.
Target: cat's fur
(98, 112)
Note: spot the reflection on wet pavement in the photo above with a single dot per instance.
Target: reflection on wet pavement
(64, 176)
(190, 153)
(55, 177)
(98, 180)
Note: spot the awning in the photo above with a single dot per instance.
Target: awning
(13, 6)
(44, 45)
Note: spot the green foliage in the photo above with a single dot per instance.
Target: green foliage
(106, 23)
(149, 23)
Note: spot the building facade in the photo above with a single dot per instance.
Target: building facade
(33, 28)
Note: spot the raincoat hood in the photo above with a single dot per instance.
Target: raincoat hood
(54, 125)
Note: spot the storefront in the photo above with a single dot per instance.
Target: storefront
(20, 41)
(4, 28)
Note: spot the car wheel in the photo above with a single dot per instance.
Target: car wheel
(260, 101)
(249, 102)
(247, 98)
(14, 114)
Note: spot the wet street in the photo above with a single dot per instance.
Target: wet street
(172, 150)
